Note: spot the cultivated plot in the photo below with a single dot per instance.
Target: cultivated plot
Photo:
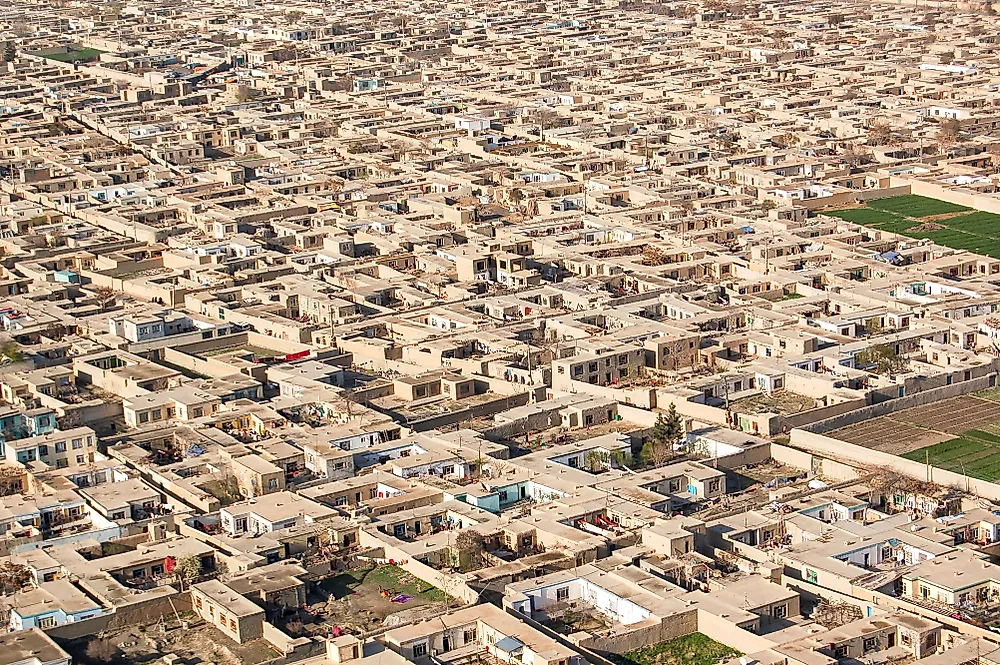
(954, 415)
(945, 223)
(889, 436)
(961, 434)
(969, 454)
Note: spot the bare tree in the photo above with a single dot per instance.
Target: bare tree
(471, 544)
(101, 650)
(884, 481)
(397, 148)
(995, 158)
(836, 613)
(546, 119)
(948, 133)
(14, 577)
(11, 480)
(106, 297)
(856, 155)
(880, 132)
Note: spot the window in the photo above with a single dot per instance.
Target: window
(470, 635)
(562, 593)
(840, 652)
(47, 622)
(420, 650)
(139, 572)
(232, 625)
(222, 619)
(340, 501)
(157, 414)
(77, 444)
(779, 611)
(713, 486)
(272, 484)
(156, 570)
(144, 417)
(80, 459)
(43, 450)
(197, 602)
(61, 447)
(62, 463)
(869, 644)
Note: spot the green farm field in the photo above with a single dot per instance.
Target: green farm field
(975, 453)
(945, 223)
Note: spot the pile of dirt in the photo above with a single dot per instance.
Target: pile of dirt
(944, 215)
(413, 615)
(926, 227)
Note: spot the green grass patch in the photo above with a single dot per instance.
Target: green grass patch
(792, 296)
(972, 455)
(865, 216)
(915, 206)
(75, 55)
(693, 649)
(986, 469)
(992, 394)
(982, 435)
(387, 576)
(961, 240)
(944, 452)
(900, 225)
(979, 223)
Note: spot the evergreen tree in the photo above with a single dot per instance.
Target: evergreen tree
(660, 430)
(673, 426)
(9, 53)
(667, 432)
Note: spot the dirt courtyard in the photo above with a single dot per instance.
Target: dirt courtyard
(200, 642)
(360, 600)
